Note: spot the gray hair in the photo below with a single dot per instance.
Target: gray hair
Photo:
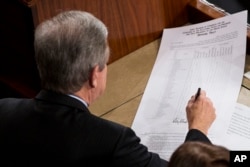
(67, 48)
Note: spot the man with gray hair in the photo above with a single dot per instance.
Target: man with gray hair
(56, 127)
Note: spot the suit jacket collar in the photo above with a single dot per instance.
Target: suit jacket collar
(61, 99)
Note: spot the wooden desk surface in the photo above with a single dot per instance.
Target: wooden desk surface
(127, 80)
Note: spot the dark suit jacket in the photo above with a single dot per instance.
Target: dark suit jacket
(55, 129)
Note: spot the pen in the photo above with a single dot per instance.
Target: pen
(197, 94)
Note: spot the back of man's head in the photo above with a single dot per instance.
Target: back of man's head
(67, 47)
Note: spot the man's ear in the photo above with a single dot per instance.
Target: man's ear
(94, 77)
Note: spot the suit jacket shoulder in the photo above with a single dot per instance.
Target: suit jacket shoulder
(60, 130)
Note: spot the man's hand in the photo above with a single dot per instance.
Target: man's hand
(200, 112)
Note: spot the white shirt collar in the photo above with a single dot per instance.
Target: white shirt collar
(81, 100)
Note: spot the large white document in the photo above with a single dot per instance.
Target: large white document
(209, 55)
